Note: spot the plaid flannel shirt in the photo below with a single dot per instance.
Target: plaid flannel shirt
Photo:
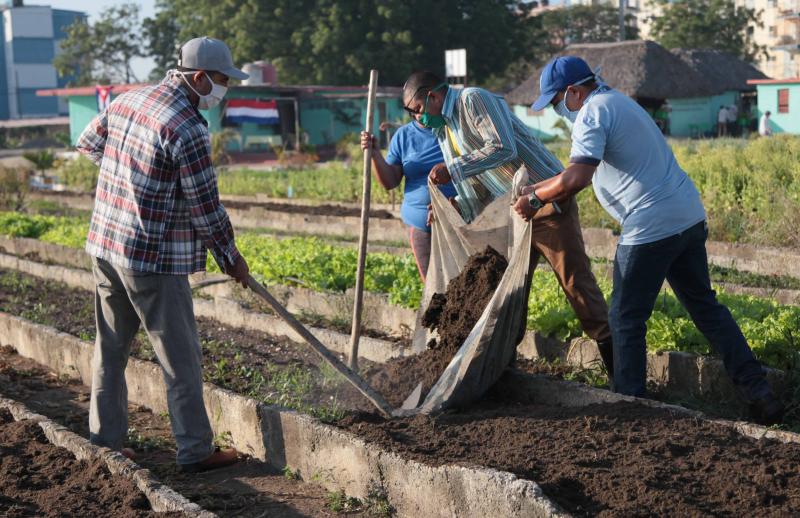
(492, 145)
(157, 206)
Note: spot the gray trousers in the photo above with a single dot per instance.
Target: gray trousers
(124, 299)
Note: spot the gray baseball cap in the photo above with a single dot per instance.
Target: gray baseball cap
(209, 54)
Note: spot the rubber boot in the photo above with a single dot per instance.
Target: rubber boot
(606, 349)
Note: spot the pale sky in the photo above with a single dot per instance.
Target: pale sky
(141, 67)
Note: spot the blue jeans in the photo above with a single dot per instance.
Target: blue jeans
(639, 273)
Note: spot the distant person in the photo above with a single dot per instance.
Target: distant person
(661, 116)
(733, 115)
(156, 211)
(722, 122)
(618, 149)
(413, 150)
(484, 145)
(764, 128)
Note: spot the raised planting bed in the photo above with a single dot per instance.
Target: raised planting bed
(39, 479)
(564, 458)
(248, 489)
(768, 326)
(47, 470)
(695, 380)
(600, 242)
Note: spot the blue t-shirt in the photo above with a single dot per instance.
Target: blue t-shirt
(417, 150)
(638, 181)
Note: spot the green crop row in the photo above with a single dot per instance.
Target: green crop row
(772, 329)
(60, 230)
(331, 182)
(750, 188)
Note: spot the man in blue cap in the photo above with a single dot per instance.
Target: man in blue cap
(156, 212)
(618, 148)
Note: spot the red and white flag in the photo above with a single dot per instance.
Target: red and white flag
(103, 97)
(252, 110)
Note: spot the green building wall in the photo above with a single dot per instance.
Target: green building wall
(82, 110)
(542, 124)
(323, 117)
(768, 101)
(697, 116)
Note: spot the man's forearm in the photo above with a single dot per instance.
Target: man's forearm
(560, 187)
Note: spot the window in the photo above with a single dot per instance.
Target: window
(783, 100)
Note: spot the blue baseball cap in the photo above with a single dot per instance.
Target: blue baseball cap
(557, 75)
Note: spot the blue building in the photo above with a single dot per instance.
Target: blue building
(31, 36)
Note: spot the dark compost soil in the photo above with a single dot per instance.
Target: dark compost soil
(248, 489)
(452, 314)
(621, 459)
(609, 460)
(315, 210)
(40, 479)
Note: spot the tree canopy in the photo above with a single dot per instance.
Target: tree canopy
(708, 24)
(102, 51)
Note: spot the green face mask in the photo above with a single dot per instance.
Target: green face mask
(428, 120)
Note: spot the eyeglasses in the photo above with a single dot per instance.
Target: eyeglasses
(409, 110)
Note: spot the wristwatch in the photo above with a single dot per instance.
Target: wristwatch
(535, 202)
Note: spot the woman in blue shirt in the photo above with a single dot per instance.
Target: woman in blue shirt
(413, 151)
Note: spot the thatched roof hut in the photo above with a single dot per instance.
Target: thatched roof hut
(640, 69)
(725, 71)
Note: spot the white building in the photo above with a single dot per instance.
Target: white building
(31, 36)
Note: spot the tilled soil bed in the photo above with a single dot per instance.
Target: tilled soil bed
(610, 460)
(40, 479)
(248, 489)
(271, 369)
(314, 210)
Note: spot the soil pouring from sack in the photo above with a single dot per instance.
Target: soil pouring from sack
(452, 314)
(40, 479)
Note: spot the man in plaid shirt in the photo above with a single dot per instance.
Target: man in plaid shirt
(156, 212)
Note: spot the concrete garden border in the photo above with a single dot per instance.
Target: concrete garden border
(338, 459)
(678, 373)
(281, 437)
(599, 242)
(162, 498)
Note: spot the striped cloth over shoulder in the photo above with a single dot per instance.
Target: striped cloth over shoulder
(485, 146)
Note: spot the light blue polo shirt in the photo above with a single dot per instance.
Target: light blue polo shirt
(638, 181)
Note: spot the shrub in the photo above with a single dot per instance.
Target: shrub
(79, 174)
(14, 188)
(41, 160)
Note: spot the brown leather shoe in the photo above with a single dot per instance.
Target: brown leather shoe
(218, 459)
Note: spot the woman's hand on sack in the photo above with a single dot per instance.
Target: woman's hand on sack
(452, 201)
(526, 190)
(439, 174)
(523, 208)
(367, 139)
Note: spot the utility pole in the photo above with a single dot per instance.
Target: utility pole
(621, 20)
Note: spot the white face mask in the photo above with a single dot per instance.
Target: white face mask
(562, 110)
(211, 99)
